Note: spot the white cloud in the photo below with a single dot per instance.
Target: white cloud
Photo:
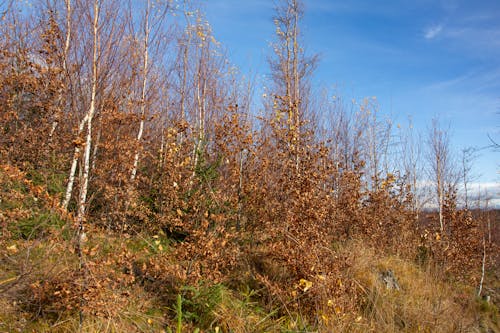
(488, 186)
(480, 193)
(433, 31)
(477, 80)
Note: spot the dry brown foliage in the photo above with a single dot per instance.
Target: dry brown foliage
(260, 203)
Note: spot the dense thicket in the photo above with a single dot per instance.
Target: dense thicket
(132, 117)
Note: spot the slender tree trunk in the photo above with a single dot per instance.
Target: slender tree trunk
(483, 266)
(296, 85)
(441, 170)
(440, 203)
(289, 95)
(161, 152)
(185, 58)
(466, 192)
(88, 143)
(416, 202)
(489, 228)
(240, 192)
(76, 154)
(184, 78)
(67, 41)
(145, 68)
(86, 168)
(96, 146)
(201, 83)
(86, 158)
(74, 163)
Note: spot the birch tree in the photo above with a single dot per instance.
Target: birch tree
(291, 69)
(376, 141)
(64, 63)
(467, 159)
(440, 165)
(411, 153)
(200, 88)
(145, 68)
(77, 150)
(89, 116)
(210, 70)
(96, 48)
(152, 23)
(184, 50)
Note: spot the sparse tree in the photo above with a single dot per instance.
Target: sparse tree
(441, 171)
(152, 34)
(97, 51)
(89, 116)
(467, 160)
(291, 70)
(411, 153)
(376, 142)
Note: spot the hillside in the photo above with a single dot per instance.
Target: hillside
(144, 282)
(142, 189)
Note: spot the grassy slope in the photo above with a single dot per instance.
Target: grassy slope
(134, 284)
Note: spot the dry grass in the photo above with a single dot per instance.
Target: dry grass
(423, 304)
(39, 278)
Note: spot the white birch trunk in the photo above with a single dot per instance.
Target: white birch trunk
(74, 163)
(143, 92)
(483, 266)
(86, 168)
(86, 157)
(441, 203)
(185, 63)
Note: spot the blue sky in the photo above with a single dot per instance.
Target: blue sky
(421, 58)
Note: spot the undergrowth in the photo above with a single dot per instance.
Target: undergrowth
(140, 283)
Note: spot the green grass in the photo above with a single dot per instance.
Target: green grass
(37, 225)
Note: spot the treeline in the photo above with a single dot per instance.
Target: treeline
(131, 115)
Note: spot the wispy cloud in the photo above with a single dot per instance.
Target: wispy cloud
(476, 38)
(433, 31)
(477, 80)
(475, 29)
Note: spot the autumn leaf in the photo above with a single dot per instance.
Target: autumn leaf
(305, 285)
(12, 249)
